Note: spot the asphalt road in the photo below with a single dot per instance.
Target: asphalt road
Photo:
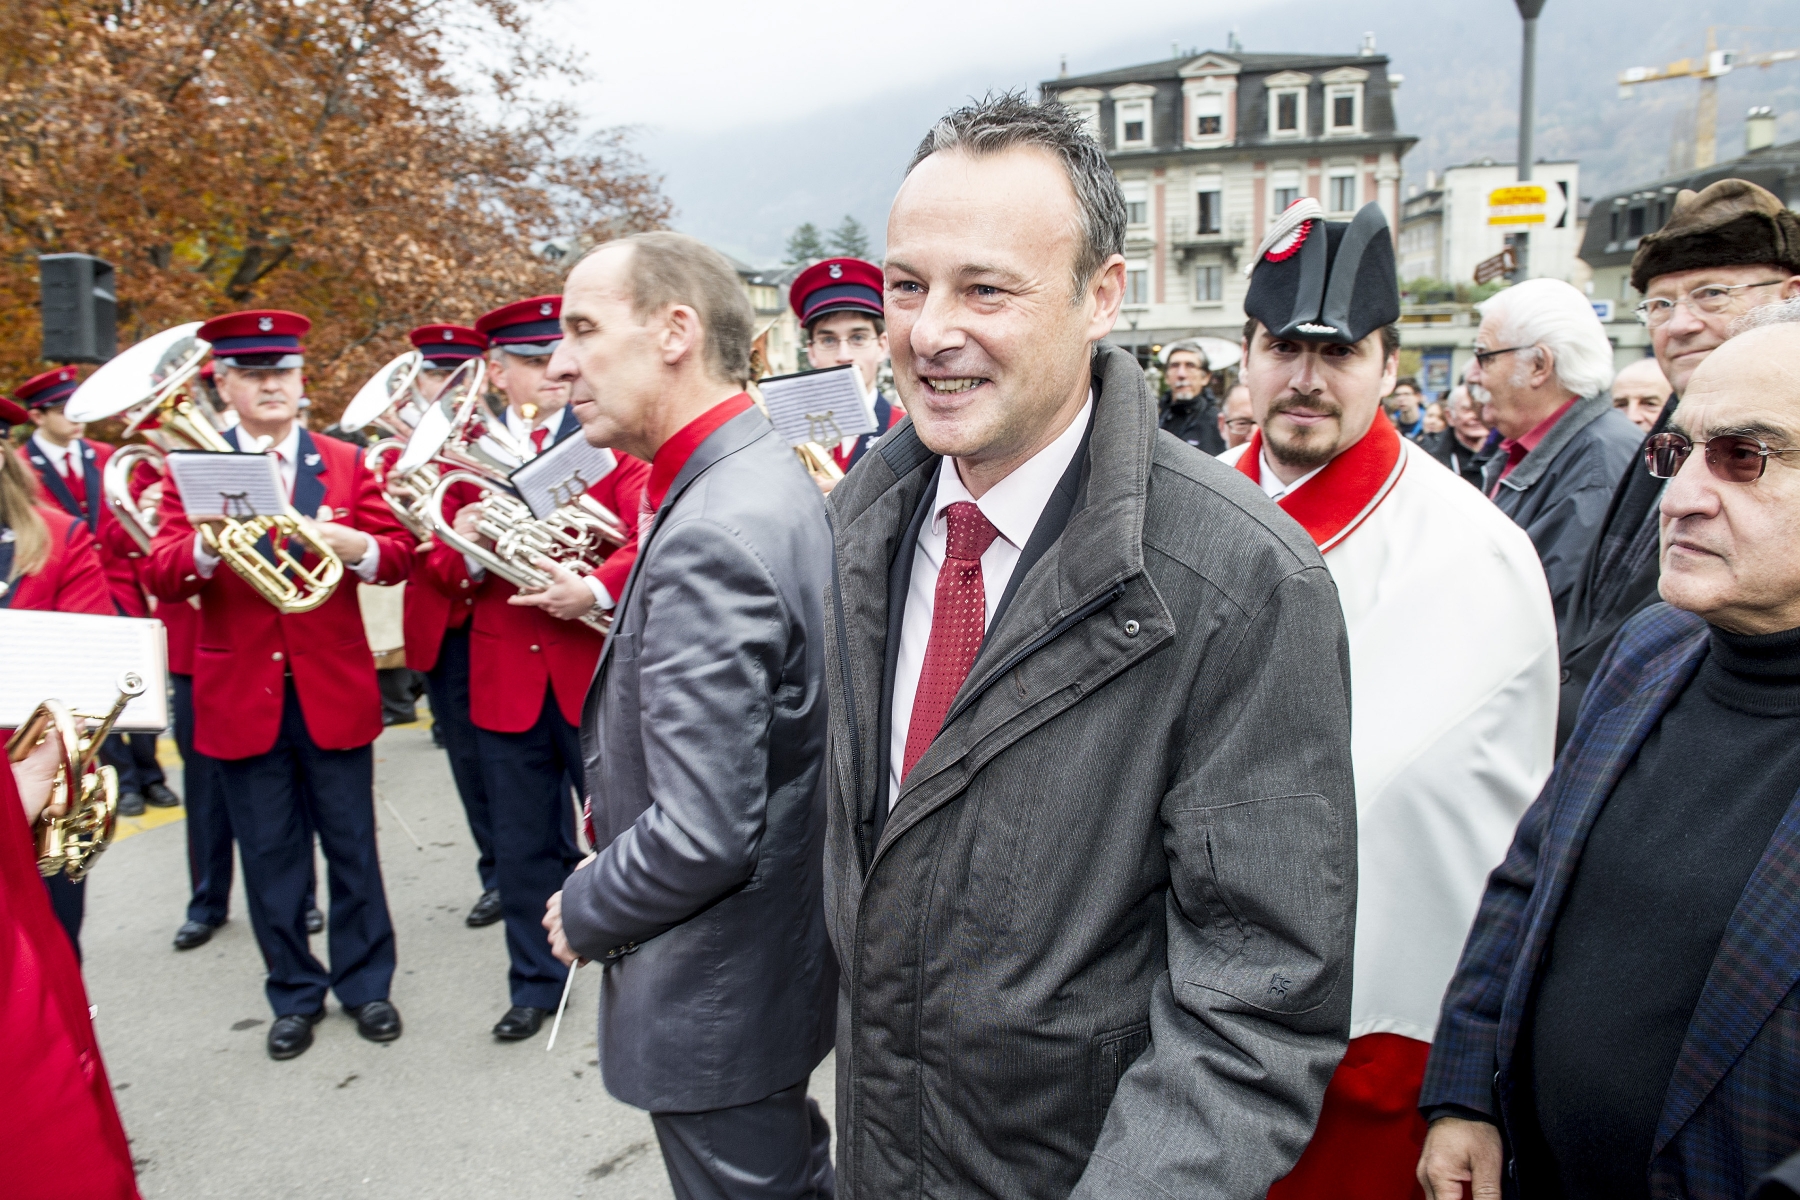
(446, 1111)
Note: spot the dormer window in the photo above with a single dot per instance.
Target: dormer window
(1287, 103)
(1287, 112)
(1134, 122)
(1344, 101)
(1209, 115)
(1085, 103)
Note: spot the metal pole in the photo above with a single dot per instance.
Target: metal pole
(1529, 10)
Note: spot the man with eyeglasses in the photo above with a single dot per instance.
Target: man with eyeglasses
(1189, 409)
(1542, 366)
(838, 302)
(1237, 419)
(1624, 1019)
(1723, 251)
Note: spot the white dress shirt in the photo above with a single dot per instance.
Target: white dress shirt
(1013, 507)
(287, 452)
(66, 459)
(1272, 486)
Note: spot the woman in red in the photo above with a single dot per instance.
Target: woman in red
(49, 562)
(49, 1060)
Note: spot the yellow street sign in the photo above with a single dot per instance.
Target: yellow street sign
(1522, 193)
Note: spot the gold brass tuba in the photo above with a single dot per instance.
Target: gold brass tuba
(470, 448)
(72, 842)
(150, 385)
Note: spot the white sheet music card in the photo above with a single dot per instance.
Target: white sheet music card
(215, 484)
(77, 658)
(561, 473)
(819, 406)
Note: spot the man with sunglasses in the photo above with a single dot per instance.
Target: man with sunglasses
(1723, 252)
(1624, 1019)
(1543, 366)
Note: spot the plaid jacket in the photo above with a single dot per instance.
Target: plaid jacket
(1733, 1106)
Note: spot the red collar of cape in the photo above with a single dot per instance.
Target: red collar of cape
(1350, 487)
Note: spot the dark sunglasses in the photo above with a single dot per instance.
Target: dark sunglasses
(1732, 457)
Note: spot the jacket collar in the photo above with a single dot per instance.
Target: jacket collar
(1532, 467)
(1097, 562)
(58, 487)
(1350, 487)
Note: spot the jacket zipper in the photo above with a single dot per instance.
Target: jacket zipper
(1055, 631)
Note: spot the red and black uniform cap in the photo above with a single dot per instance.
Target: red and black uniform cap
(447, 347)
(836, 285)
(529, 328)
(1315, 280)
(258, 340)
(46, 390)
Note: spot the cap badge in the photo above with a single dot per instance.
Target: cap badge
(1311, 327)
(265, 323)
(544, 309)
(1289, 245)
(836, 271)
(449, 336)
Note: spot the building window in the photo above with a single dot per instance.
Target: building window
(1134, 122)
(1209, 284)
(1207, 215)
(1614, 235)
(1287, 114)
(1209, 115)
(1343, 193)
(1635, 228)
(1089, 112)
(1137, 201)
(1137, 283)
(1343, 111)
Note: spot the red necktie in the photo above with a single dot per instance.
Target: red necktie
(958, 621)
(537, 438)
(74, 484)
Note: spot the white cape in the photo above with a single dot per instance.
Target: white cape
(1454, 679)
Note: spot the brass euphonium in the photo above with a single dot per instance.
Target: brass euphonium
(150, 385)
(70, 843)
(470, 448)
(390, 402)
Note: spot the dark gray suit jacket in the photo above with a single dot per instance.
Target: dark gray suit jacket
(1102, 944)
(703, 736)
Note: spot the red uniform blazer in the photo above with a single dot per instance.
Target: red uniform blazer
(119, 554)
(181, 623)
(49, 1059)
(71, 579)
(246, 646)
(432, 608)
(515, 652)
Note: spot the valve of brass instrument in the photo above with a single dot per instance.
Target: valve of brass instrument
(79, 821)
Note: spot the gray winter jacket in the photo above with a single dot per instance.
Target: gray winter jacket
(1559, 493)
(1102, 944)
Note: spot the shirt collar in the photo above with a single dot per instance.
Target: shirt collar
(1015, 503)
(57, 454)
(520, 426)
(1528, 441)
(289, 446)
(673, 454)
(1272, 486)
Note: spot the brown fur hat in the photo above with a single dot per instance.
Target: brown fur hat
(1732, 223)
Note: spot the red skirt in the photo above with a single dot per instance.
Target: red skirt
(1370, 1132)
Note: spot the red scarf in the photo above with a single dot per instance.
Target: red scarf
(1331, 504)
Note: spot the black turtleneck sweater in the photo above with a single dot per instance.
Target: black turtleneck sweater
(1657, 882)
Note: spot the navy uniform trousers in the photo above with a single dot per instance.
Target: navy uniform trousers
(529, 802)
(272, 799)
(208, 824)
(133, 756)
(448, 686)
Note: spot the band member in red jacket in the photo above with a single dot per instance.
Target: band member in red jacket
(49, 1058)
(289, 704)
(838, 302)
(529, 672)
(438, 616)
(49, 562)
(69, 468)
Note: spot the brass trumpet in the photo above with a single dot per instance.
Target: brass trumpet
(151, 385)
(72, 842)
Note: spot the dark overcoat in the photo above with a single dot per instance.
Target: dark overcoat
(1102, 945)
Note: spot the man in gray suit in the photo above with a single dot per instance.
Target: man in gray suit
(703, 736)
(1091, 869)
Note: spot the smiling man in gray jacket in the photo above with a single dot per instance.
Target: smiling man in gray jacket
(1091, 865)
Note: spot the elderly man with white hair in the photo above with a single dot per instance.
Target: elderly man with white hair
(1543, 365)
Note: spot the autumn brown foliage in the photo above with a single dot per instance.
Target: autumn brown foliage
(374, 164)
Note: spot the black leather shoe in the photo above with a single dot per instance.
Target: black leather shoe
(193, 934)
(315, 921)
(131, 804)
(377, 1020)
(486, 911)
(161, 795)
(291, 1036)
(520, 1023)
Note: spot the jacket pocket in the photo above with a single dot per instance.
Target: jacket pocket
(1111, 1054)
(1265, 887)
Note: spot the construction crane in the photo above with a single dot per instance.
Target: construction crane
(1707, 70)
